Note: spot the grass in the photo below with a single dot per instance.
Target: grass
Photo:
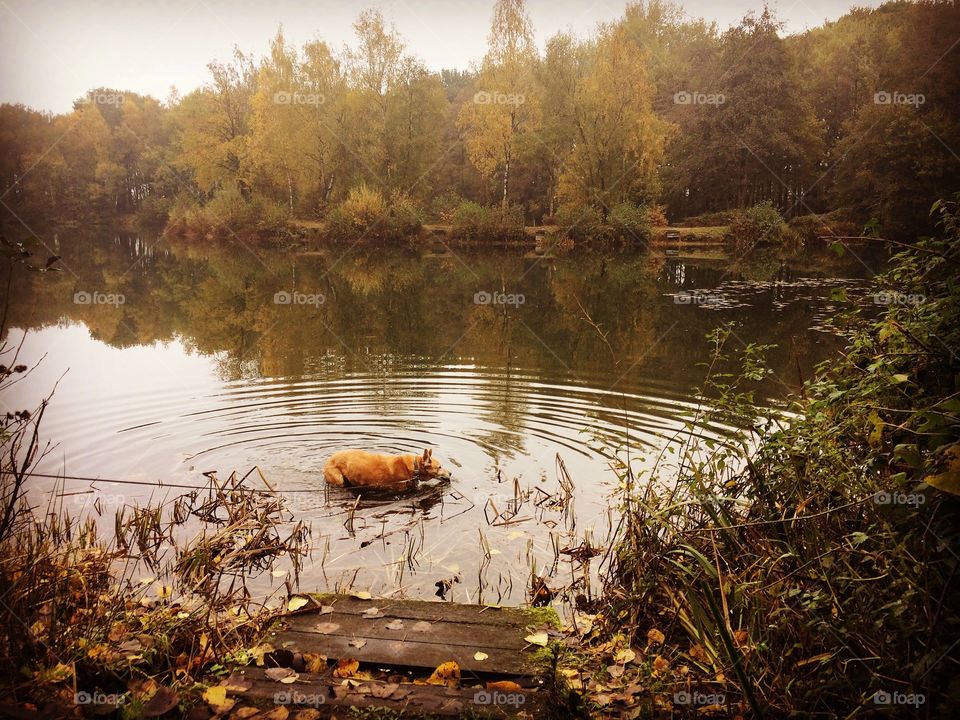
(769, 569)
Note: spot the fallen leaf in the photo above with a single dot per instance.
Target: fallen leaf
(625, 656)
(615, 671)
(162, 702)
(244, 713)
(447, 673)
(384, 690)
(325, 610)
(654, 637)
(325, 628)
(660, 666)
(236, 683)
(280, 674)
(372, 613)
(539, 638)
(357, 643)
(346, 667)
(216, 698)
(278, 713)
(296, 603)
(481, 656)
(306, 714)
(394, 625)
(400, 694)
(362, 595)
(699, 654)
(314, 662)
(422, 626)
(504, 685)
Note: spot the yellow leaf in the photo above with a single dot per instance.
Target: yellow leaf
(315, 662)
(216, 698)
(363, 595)
(346, 667)
(447, 674)
(504, 685)
(655, 637)
(539, 638)
(949, 479)
(660, 666)
(296, 603)
(480, 656)
(625, 656)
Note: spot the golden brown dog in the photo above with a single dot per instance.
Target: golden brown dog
(359, 468)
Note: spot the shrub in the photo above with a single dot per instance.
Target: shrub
(473, 221)
(581, 223)
(757, 225)
(629, 222)
(657, 216)
(365, 214)
(444, 206)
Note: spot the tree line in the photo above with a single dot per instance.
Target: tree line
(654, 111)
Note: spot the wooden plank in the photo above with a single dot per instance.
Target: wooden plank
(398, 653)
(431, 611)
(327, 694)
(454, 634)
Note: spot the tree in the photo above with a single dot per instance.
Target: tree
(499, 124)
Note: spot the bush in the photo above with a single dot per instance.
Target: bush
(581, 223)
(712, 219)
(758, 225)
(837, 222)
(365, 214)
(629, 222)
(473, 221)
(444, 206)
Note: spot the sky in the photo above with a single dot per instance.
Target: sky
(52, 52)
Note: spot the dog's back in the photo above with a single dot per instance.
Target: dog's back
(359, 468)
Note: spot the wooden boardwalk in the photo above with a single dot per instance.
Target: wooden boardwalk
(398, 644)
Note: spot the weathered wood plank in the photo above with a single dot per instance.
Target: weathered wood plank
(459, 634)
(320, 691)
(400, 653)
(431, 611)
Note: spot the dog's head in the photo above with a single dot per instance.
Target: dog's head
(431, 468)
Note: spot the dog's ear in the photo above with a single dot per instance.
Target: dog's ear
(426, 455)
(429, 453)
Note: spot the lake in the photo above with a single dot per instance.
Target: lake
(172, 359)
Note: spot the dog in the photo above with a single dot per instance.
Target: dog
(359, 468)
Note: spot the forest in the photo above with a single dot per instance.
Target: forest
(654, 118)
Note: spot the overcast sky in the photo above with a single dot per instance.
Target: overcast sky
(53, 52)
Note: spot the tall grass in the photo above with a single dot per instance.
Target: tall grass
(807, 562)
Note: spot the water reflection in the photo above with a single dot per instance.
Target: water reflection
(222, 357)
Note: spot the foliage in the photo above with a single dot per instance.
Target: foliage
(808, 557)
(629, 222)
(472, 221)
(653, 107)
(759, 225)
(366, 214)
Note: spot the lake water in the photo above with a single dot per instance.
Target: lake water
(224, 357)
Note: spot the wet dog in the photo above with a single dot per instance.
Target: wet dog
(359, 468)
